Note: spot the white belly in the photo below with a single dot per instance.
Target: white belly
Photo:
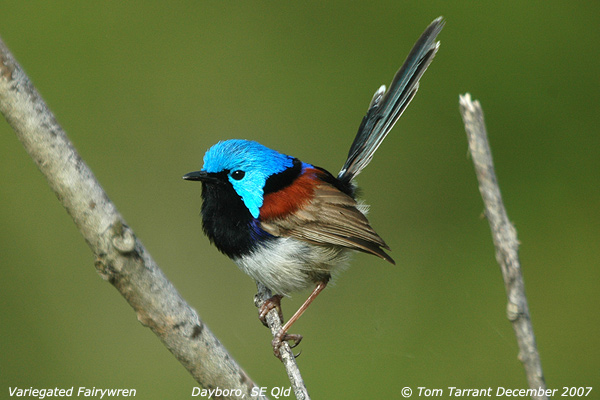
(287, 265)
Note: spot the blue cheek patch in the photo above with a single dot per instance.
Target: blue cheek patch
(251, 191)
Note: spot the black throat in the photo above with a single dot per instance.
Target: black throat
(226, 220)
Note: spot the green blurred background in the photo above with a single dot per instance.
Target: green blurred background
(144, 88)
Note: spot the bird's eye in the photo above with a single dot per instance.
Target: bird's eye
(238, 174)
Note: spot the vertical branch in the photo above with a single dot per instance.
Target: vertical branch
(505, 242)
(120, 257)
(287, 356)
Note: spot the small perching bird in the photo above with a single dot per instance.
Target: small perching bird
(288, 224)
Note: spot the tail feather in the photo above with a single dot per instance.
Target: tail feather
(386, 107)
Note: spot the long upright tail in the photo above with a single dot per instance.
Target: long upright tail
(386, 107)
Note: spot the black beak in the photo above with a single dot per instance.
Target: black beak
(200, 176)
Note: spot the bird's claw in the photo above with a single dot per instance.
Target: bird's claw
(285, 337)
(268, 305)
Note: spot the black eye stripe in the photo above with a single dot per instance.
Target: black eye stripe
(238, 174)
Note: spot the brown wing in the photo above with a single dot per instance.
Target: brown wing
(330, 218)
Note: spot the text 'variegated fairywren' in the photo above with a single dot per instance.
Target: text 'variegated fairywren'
(288, 224)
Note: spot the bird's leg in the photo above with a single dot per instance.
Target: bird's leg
(282, 335)
(268, 305)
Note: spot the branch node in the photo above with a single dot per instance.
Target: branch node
(144, 319)
(513, 311)
(101, 267)
(7, 67)
(123, 238)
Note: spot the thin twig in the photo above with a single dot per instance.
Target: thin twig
(120, 256)
(287, 356)
(505, 241)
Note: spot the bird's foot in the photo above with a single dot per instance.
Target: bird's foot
(283, 336)
(268, 305)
